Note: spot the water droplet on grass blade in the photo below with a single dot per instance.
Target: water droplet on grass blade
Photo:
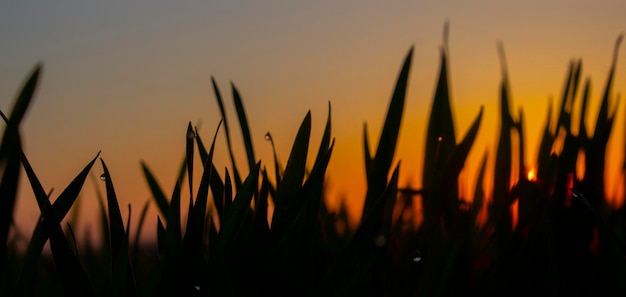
(191, 134)
(103, 177)
(268, 137)
(417, 256)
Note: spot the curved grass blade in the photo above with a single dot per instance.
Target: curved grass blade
(74, 281)
(238, 211)
(324, 145)
(292, 179)
(196, 221)
(277, 168)
(116, 225)
(60, 207)
(461, 151)
(217, 185)
(157, 192)
(377, 182)
(218, 96)
(10, 160)
(245, 130)
(440, 134)
(122, 277)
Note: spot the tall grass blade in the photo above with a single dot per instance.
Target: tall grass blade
(245, 130)
(238, 211)
(292, 179)
(218, 96)
(461, 151)
(122, 278)
(217, 185)
(324, 145)
(377, 182)
(10, 160)
(60, 207)
(440, 134)
(189, 157)
(369, 162)
(74, 281)
(503, 163)
(157, 192)
(196, 221)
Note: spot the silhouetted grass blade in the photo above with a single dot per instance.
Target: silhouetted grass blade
(218, 96)
(9, 159)
(461, 151)
(369, 162)
(122, 277)
(238, 211)
(157, 192)
(60, 207)
(440, 134)
(245, 130)
(217, 185)
(292, 178)
(324, 145)
(227, 197)
(545, 148)
(189, 157)
(479, 191)
(192, 242)
(377, 182)
(73, 279)
(503, 164)
(116, 225)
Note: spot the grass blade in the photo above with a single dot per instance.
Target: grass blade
(73, 279)
(60, 207)
(238, 211)
(218, 96)
(245, 130)
(217, 185)
(157, 192)
(10, 160)
(292, 179)
(377, 182)
(189, 157)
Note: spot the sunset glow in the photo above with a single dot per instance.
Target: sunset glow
(126, 78)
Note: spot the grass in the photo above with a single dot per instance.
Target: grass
(566, 240)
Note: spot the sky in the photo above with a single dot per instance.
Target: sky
(126, 77)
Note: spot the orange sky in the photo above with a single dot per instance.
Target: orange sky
(126, 79)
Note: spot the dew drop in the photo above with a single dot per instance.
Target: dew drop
(417, 256)
(197, 288)
(191, 134)
(380, 241)
(268, 137)
(103, 177)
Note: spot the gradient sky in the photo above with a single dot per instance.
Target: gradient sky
(126, 77)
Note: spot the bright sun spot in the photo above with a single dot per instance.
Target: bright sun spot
(531, 175)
